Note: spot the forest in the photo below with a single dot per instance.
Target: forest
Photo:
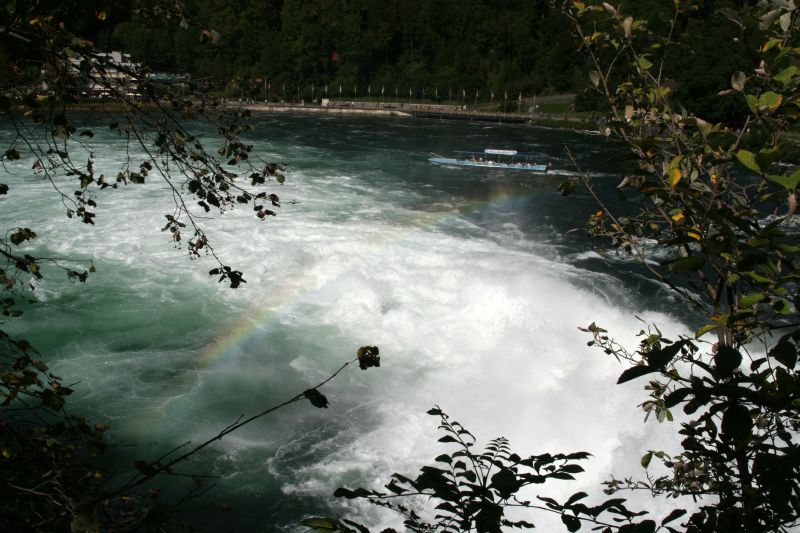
(430, 50)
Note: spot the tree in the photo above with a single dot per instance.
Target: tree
(721, 198)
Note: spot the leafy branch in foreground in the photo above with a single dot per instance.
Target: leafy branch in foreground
(720, 200)
(54, 63)
(472, 490)
(46, 456)
(43, 448)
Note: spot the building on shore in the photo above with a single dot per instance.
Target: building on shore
(105, 74)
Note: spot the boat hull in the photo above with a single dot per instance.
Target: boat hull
(447, 161)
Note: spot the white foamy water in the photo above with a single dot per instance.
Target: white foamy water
(471, 309)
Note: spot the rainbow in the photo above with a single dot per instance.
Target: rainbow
(243, 329)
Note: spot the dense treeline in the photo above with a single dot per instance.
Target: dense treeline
(513, 46)
(284, 47)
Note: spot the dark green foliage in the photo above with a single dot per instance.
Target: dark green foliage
(43, 450)
(303, 50)
(722, 200)
(513, 46)
(471, 490)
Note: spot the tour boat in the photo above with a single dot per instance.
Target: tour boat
(491, 158)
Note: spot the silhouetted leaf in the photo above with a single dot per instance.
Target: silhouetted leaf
(646, 458)
(488, 518)
(645, 526)
(785, 353)
(687, 264)
(659, 358)
(316, 398)
(574, 498)
(368, 357)
(505, 482)
(342, 492)
(635, 372)
(675, 397)
(727, 360)
(736, 422)
(572, 523)
(675, 514)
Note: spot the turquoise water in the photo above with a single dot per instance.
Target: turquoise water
(464, 279)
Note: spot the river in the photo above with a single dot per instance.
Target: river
(467, 281)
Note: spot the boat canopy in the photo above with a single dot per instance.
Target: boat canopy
(500, 152)
(492, 154)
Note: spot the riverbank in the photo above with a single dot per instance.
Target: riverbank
(566, 120)
(558, 116)
(324, 110)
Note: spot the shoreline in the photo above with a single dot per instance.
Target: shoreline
(569, 121)
(441, 112)
(317, 109)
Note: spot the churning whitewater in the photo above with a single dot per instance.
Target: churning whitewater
(466, 280)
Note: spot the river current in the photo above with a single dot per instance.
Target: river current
(467, 280)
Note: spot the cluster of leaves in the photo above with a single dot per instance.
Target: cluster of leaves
(55, 63)
(368, 357)
(472, 490)
(739, 444)
(721, 198)
(43, 448)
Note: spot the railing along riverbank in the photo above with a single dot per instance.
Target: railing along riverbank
(432, 111)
